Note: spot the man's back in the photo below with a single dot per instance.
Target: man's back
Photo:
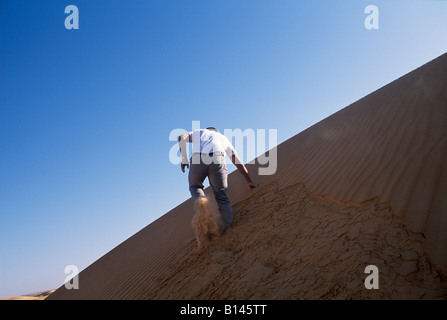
(209, 141)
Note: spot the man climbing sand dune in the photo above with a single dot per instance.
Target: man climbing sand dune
(208, 160)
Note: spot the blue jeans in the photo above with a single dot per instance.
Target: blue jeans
(217, 174)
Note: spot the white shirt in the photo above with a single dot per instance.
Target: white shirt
(207, 141)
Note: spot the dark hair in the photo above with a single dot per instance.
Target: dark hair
(212, 129)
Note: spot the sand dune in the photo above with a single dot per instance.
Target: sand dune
(33, 296)
(288, 242)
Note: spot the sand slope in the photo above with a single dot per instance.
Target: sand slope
(291, 244)
(391, 144)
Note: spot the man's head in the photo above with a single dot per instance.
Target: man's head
(212, 129)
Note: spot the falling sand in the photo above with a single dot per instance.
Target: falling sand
(207, 223)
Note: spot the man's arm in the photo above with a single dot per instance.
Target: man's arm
(243, 170)
(182, 145)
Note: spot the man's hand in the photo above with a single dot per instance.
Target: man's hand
(251, 185)
(182, 145)
(183, 165)
(243, 170)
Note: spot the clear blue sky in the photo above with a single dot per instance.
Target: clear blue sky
(85, 115)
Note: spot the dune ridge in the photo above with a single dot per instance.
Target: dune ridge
(390, 144)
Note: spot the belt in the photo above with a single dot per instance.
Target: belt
(217, 153)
